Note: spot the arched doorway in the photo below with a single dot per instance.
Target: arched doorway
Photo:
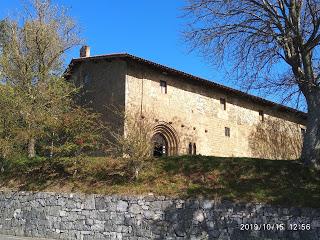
(165, 140)
(160, 145)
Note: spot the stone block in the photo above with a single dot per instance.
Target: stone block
(122, 206)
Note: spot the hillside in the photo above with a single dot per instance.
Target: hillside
(236, 179)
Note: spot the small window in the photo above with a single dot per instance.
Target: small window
(303, 132)
(223, 104)
(261, 116)
(190, 149)
(227, 131)
(194, 149)
(163, 86)
(86, 80)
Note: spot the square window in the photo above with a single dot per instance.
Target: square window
(223, 104)
(163, 86)
(227, 131)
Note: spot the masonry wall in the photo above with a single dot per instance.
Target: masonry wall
(196, 114)
(102, 87)
(75, 216)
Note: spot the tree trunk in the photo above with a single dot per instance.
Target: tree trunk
(311, 144)
(31, 148)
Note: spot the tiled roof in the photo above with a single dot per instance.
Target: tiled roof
(195, 79)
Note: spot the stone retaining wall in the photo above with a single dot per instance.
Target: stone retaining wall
(75, 216)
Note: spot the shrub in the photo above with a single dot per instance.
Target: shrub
(133, 144)
(79, 131)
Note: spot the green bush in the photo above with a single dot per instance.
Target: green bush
(79, 131)
(21, 163)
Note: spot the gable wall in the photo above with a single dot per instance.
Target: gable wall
(106, 87)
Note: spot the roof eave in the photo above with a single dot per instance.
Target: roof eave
(254, 98)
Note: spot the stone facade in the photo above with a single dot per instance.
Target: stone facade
(189, 112)
(96, 217)
(103, 85)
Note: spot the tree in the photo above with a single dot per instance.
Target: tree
(77, 131)
(258, 35)
(3, 30)
(133, 143)
(31, 64)
(276, 138)
(8, 123)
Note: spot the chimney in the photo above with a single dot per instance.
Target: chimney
(85, 51)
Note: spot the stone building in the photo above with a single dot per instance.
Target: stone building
(191, 115)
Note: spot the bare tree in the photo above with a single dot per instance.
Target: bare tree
(257, 35)
(276, 138)
(133, 143)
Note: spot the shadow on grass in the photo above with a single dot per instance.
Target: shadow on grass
(247, 179)
(238, 179)
(35, 174)
(73, 174)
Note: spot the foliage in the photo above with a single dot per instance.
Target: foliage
(77, 131)
(31, 64)
(38, 111)
(21, 163)
(9, 124)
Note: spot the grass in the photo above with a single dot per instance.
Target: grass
(236, 179)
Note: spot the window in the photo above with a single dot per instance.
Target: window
(86, 80)
(163, 86)
(261, 116)
(194, 149)
(190, 149)
(227, 132)
(303, 132)
(223, 103)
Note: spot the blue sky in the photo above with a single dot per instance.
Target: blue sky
(148, 29)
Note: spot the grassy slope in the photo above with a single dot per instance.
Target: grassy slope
(237, 179)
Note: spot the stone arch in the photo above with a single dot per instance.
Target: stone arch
(170, 135)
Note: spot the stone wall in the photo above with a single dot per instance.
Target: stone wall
(194, 111)
(102, 87)
(196, 114)
(75, 216)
